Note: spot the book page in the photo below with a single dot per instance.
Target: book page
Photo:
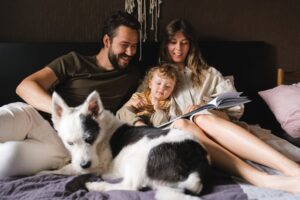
(225, 100)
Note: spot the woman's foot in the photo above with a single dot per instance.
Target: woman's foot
(285, 183)
(290, 168)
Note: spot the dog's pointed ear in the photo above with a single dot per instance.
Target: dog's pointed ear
(58, 107)
(93, 104)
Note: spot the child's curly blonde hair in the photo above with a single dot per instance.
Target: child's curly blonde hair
(165, 70)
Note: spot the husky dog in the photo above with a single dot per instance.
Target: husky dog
(98, 142)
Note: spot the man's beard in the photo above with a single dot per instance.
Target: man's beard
(113, 58)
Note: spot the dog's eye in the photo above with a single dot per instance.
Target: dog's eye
(70, 143)
(89, 139)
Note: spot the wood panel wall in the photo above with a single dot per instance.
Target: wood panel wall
(275, 22)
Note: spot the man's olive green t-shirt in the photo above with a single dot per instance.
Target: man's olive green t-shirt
(79, 75)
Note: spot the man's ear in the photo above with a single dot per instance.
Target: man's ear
(106, 41)
(58, 108)
(93, 104)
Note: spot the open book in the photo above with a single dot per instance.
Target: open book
(225, 100)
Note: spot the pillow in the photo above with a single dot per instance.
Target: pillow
(284, 102)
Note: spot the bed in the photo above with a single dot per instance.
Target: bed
(243, 60)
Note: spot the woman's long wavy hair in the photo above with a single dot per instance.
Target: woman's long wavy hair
(194, 59)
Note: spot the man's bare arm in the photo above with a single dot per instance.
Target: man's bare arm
(34, 89)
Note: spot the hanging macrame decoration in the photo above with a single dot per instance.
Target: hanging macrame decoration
(154, 12)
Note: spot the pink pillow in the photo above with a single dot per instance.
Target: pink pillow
(284, 101)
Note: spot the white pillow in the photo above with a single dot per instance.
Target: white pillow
(284, 102)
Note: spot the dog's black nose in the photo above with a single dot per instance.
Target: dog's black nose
(85, 164)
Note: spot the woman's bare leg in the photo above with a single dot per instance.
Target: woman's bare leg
(245, 145)
(225, 160)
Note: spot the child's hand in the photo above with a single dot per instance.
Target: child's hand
(155, 103)
(136, 102)
(139, 123)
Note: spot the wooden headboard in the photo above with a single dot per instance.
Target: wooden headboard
(287, 77)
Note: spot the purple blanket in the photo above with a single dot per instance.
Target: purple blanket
(72, 187)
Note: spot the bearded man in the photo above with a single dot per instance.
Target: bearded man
(28, 142)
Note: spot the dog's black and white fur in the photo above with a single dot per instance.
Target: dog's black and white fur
(142, 156)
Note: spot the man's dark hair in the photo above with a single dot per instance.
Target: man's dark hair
(117, 19)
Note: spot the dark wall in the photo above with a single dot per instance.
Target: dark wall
(54, 20)
(275, 22)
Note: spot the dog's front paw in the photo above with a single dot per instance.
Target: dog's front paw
(44, 172)
(98, 186)
(92, 186)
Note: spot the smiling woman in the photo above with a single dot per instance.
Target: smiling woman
(227, 143)
(178, 48)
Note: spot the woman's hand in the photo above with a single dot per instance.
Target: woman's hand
(220, 114)
(190, 108)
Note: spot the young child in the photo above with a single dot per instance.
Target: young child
(151, 106)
